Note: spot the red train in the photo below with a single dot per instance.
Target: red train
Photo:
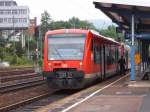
(74, 58)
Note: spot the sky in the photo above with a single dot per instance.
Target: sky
(63, 9)
(66, 9)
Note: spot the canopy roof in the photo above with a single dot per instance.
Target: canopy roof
(121, 13)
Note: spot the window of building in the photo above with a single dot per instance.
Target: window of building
(15, 20)
(9, 20)
(19, 20)
(25, 20)
(25, 11)
(1, 20)
(1, 11)
(22, 11)
(14, 3)
(7, 11)
(5, 20)
(1, 3)
(14, 11)
(8, 3)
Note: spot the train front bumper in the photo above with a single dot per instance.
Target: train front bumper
(65, 79)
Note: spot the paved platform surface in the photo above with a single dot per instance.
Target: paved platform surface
(123, 96)
(117, 94)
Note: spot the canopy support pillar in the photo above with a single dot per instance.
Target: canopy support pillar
(132, 75)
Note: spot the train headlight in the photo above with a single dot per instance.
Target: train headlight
(49, 65)
(81, 63)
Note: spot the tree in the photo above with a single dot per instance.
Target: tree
(2, 42)
(19, 50)
(2, 55)
(45, 22)
(111, 32)
(76, 23)
(60, 25)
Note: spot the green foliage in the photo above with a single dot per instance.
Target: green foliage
(40, 62)
(8, 58)
(60, 25)
(15, 60)
(76, 23)
(23, 61)
(2, 54)
(111, 32)
(10, 50)
(32, 43)
(2, 42)
(45, 22)
(48, 24)
(19, 50)
(71, 23)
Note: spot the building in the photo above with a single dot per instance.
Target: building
(32, 27)
(12, 16)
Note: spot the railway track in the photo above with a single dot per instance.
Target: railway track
(15, 83)
(57, 101)
(35, 101)
(24, 102)
(22, 85)
(16, 68)
(22, 93)
(40, 101)
(18, 77)
(15, 72)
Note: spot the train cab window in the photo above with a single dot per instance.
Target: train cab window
(66, 46)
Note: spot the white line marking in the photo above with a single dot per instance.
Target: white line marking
(91, 95)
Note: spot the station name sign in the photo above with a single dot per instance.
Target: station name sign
(138, 36)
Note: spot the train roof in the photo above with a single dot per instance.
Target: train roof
(59, 31)
(104, 37)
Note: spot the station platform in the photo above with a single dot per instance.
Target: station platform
(122, 96)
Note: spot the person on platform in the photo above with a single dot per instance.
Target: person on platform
(122, 65)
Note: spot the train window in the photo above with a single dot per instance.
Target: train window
(66, 46)
(94, 54)
(92, 45)
(116, 55)
(107, 52)
(110, 55)
(97, 54)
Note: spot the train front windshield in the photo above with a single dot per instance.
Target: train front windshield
(66, 46)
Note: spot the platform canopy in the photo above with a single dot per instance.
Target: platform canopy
(120, 12)
(132, 16)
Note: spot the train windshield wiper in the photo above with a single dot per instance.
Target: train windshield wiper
(58, 52)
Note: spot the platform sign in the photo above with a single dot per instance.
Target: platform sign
(137, 58)
(138, 36)
(127, 36)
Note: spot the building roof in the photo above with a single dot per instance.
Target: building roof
(120, 12)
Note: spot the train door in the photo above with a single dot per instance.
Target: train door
(103, 62)
(106, 61)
